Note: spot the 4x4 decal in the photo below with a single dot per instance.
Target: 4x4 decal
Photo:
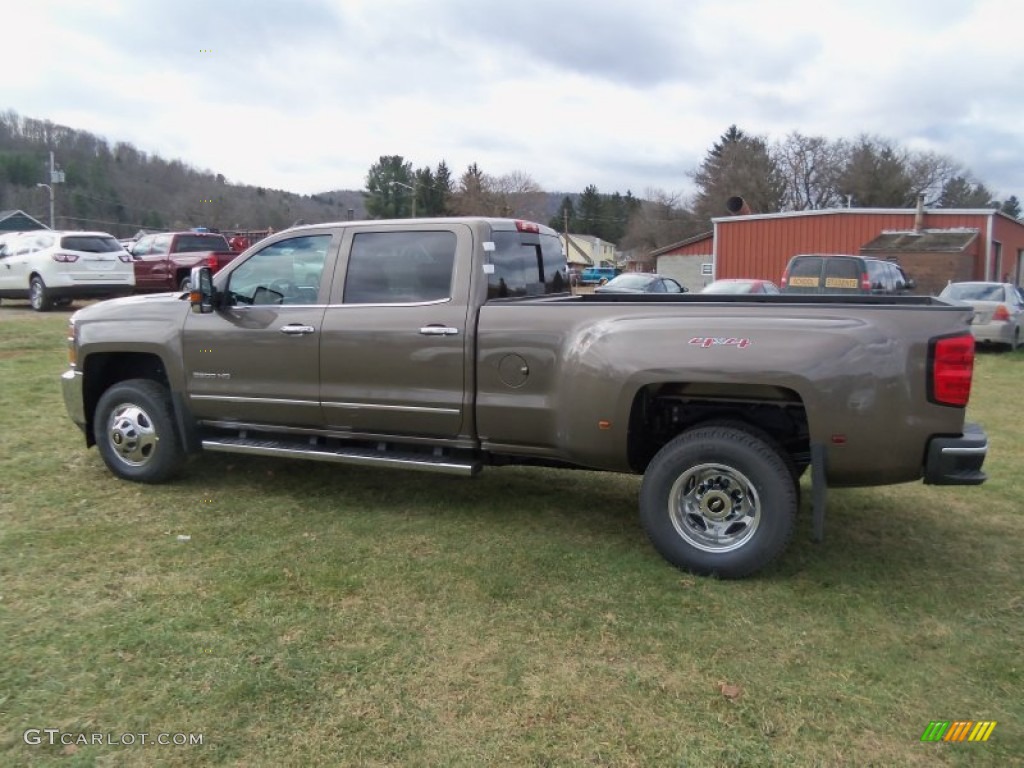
(720, 341)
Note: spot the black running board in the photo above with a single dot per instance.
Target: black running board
(423, 462)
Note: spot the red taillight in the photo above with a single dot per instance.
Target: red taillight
(65, 258)
(865, 284)
(527, 226)
(784, 280)
(1001, 313)
(951, 360)
(211, 262)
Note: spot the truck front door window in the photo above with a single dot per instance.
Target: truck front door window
(287, 272)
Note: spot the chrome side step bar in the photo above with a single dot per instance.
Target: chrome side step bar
(423, 462)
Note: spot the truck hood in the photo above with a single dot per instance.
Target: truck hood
(151, 305)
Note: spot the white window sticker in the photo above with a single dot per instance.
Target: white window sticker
(488, 269)
(488, 246)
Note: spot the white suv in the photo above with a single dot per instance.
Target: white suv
(48, 267)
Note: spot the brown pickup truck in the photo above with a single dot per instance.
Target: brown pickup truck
(164, 261)
(452, 344)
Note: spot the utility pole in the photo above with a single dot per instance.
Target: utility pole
(40, 184)
(56, 177)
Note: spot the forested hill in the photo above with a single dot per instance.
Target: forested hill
(120, 189)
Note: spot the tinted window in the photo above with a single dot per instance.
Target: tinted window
(805, 272)
(526, 264)
(400, 267)
(279, 275)
(672, 286)
(842, 274)
(90, 243)
(193, 243)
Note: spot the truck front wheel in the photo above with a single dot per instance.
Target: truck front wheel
(719, 501)
(134, 431)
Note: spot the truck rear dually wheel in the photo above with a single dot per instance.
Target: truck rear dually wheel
(719, 501)
(135, 434)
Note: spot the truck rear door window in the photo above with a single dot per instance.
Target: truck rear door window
(400, 267)
(526, 264)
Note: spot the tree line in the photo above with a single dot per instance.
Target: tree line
(796, 173)
(120, 189)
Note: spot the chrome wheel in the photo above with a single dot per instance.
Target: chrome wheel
(714, 507)
(131, 435)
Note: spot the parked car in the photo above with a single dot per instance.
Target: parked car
(54, 268)
(164, 261)
(840, 273)
(739, 285)
(599, 275)
(998, 309)
(641, 282)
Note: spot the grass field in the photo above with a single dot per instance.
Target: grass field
(324, 615)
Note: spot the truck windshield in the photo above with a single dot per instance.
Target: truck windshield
(526, 264)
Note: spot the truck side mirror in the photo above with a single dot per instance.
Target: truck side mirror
(911, 284)
(201, 294)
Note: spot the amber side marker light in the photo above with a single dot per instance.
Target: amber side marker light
(604, 424)
(72, 351)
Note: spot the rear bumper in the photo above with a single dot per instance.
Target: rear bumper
(90, 290)
(995, 333)
(957, 460)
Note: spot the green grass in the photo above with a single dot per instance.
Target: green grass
(326, 615)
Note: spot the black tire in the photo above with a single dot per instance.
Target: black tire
(719, 501)
(135, 433)
(38, 296)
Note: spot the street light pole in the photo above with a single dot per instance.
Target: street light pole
(411, 189)
(40, 184)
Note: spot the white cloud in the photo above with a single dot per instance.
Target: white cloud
(307, 95)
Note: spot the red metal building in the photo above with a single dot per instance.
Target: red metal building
(760, 245)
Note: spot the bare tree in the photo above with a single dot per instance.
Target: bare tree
(660, 218)
(516, 194)
(811, 167)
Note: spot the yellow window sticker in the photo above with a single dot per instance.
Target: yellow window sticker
(841, 282)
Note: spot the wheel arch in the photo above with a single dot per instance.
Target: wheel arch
(102, 370)
(662, 411)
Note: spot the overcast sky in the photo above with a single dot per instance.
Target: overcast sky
(305, 95)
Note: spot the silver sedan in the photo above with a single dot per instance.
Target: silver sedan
(998, 310)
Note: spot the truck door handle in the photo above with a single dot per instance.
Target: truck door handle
(439, 330)
(297, 330)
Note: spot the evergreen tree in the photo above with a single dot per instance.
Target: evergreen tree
(558, 221)
(590, 212)
(386, 198)
(738, 165)
(1011, 206)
